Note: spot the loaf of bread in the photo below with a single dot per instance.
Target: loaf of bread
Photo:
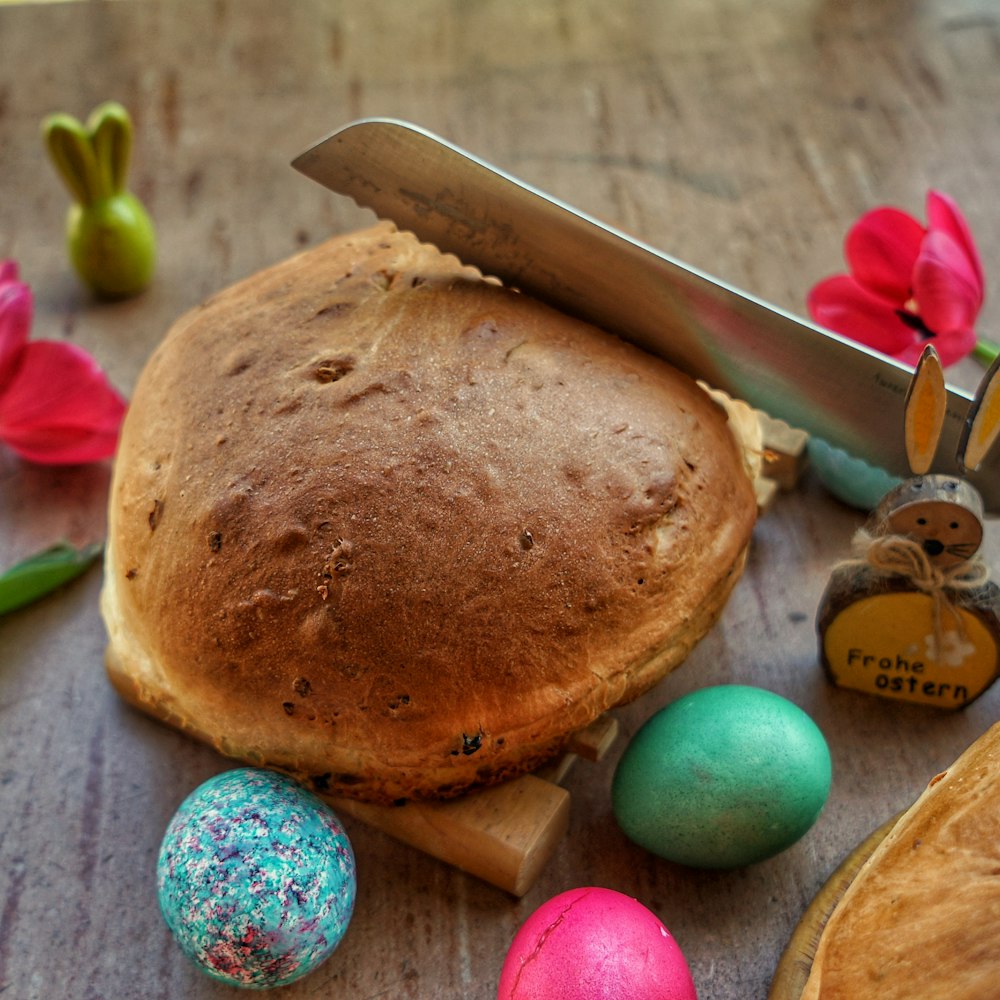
(922, 916)
(399, 531)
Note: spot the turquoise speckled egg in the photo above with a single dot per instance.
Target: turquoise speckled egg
(256, 879)
(723, 777)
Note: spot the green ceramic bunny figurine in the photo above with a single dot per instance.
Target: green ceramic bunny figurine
(109, 235)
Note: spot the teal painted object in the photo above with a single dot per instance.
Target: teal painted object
(850, 479)
(724, 777)
(256, 879)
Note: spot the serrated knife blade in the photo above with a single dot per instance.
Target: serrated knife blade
(815, 380)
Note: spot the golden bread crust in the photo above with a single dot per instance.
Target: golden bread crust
(400, 531)
(922, 916)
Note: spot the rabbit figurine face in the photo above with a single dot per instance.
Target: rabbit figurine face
(942, 513)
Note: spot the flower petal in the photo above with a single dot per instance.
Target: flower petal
(60, 406)
(881, 249)
(951, 348)
(945, 287)
(16, 307)
(944, 214)
(842, 305)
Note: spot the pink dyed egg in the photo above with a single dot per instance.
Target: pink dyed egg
(594, 944)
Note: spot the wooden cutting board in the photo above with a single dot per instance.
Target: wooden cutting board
(504, 835)
(796, 961)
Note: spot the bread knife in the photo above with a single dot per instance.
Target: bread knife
(814, 379)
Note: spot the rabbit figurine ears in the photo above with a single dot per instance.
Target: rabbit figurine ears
(943, 513)
(926, 404)
(92, 157)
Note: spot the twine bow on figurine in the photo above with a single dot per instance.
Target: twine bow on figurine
(913, 615)
(903, 556)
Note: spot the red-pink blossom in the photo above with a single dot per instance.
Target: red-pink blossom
(908, 284)
(56, 404)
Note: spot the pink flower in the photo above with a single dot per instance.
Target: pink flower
(908, 283)
(56, 405)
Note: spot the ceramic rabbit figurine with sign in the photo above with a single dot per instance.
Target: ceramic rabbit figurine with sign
(913, 615)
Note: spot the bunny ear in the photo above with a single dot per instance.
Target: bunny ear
(110, 129)
(69, 146)
(925, 411)
(982, 427)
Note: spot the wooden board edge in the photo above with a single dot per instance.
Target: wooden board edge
(795, 965)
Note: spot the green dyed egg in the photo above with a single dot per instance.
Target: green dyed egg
(723, 777)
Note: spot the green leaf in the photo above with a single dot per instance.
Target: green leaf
(985, 352)
(43, 572)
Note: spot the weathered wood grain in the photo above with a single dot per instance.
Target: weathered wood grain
(742, 136)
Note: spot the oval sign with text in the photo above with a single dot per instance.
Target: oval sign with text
(899, 645)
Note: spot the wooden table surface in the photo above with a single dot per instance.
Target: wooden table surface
(743, 136)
